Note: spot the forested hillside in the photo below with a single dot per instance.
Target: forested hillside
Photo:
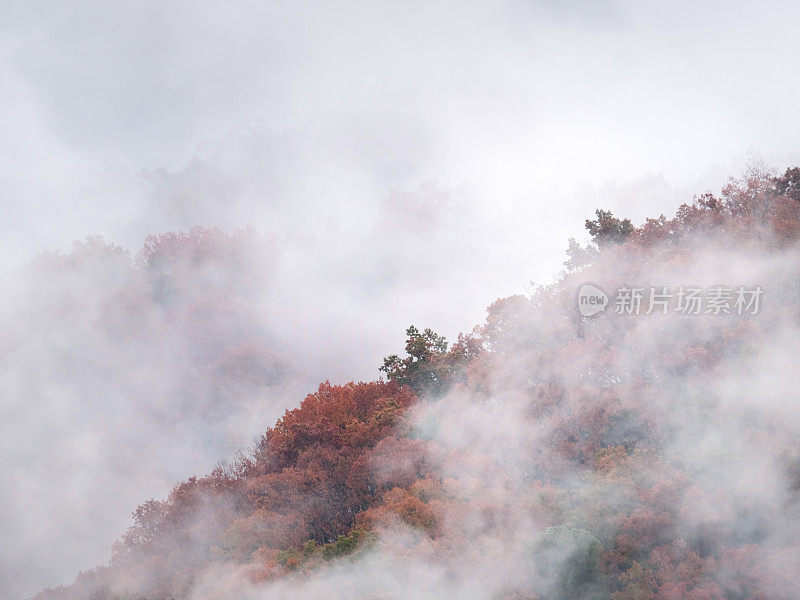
(647, 452)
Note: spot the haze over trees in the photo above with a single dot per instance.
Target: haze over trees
(545, 455)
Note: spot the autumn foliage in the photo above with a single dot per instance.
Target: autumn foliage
(595, 489)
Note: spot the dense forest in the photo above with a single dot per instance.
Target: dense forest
(545, 454)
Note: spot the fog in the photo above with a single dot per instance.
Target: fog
(400, 163)
(496, 460)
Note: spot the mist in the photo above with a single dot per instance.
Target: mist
(500, 467)
(398, 164)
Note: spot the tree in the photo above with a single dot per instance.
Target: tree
(573, 556)
(789, 184)
(607, 229)
(418, 369)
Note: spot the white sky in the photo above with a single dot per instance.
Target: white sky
(520, 98)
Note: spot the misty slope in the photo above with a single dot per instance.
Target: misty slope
(648, 456)
(128, 370)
